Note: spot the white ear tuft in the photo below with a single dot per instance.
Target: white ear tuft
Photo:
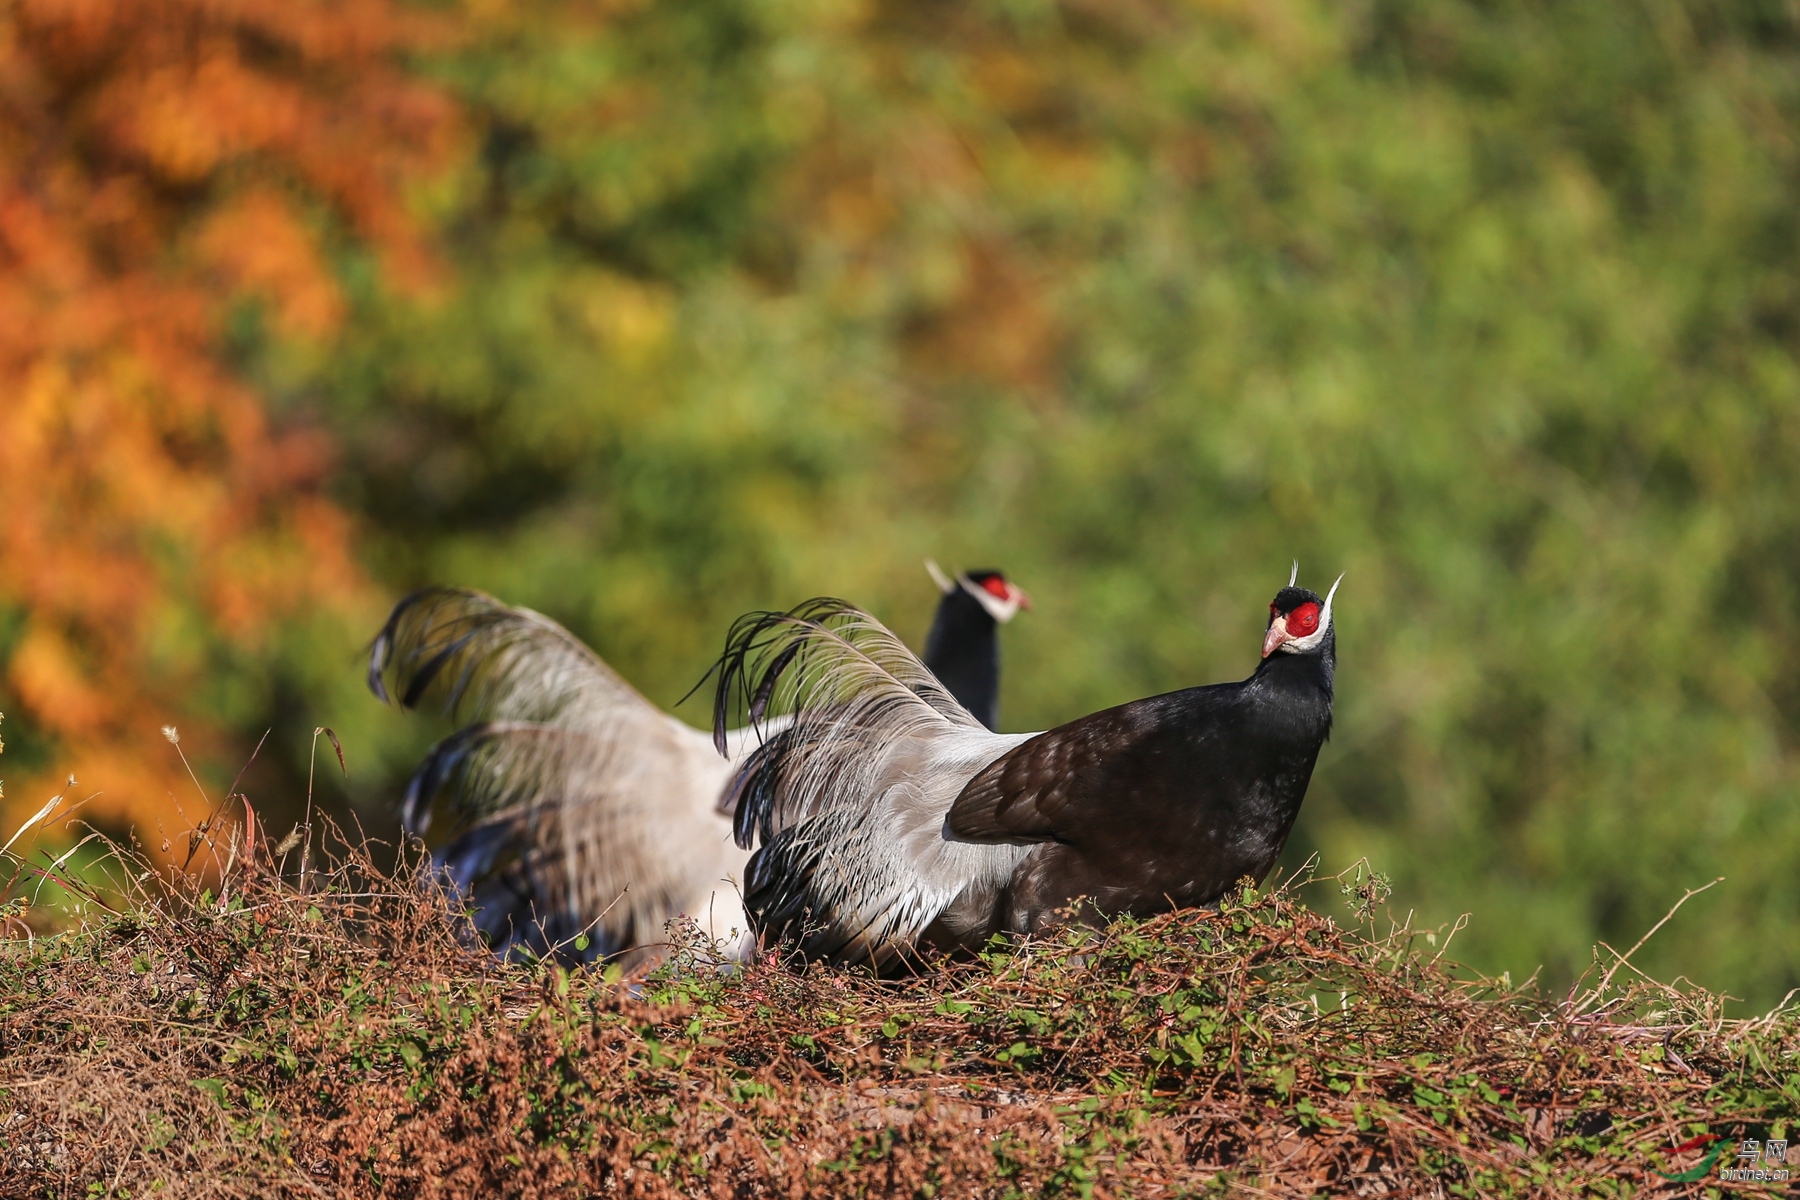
(1294, 574)
(1325, 617)
(943, 581)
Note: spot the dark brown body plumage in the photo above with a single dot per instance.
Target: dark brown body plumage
(1163, 802)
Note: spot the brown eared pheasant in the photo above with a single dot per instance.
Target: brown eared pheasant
(886, 819)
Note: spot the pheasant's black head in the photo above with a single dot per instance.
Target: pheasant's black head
(1001, 598)
(1299, 621)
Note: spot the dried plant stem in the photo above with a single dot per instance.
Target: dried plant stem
(1600, 989)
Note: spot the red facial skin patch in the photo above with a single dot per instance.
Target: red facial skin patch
(996, 587)
(1303, 621)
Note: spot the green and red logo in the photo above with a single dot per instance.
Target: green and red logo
(1695, 1174)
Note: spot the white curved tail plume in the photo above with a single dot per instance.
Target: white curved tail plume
(848, 801)
(602, 801)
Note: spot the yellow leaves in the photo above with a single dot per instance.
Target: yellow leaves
(996, 325)
(131, 775)
(633, 319)
(1011, 81)
(159, 160)
(856, 211)
(299, 559)
(258, 245)
(159, 120)
(46, 677)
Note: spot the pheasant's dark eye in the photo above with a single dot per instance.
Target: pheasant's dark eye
(1303, 621)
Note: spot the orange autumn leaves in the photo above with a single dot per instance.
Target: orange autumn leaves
(162, 162)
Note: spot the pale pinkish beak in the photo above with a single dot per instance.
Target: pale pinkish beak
(1277, 634)
(1019, 597)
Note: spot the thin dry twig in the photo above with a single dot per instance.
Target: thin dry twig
(1600, 989)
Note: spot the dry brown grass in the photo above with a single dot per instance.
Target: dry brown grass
(253, 1037)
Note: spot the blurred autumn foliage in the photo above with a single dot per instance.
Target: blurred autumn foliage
(645, 314)
(162, 161)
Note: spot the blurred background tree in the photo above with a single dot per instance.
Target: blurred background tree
(1494, 306)
(163, 534)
